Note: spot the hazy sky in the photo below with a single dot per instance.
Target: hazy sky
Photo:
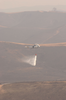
(19, 3)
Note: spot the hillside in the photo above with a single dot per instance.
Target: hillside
(51, 63)
(33, 27)
(34, 91)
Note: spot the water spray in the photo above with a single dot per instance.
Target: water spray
(30, 60)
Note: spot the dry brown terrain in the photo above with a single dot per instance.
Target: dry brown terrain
(49, 90)
(45, 45)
